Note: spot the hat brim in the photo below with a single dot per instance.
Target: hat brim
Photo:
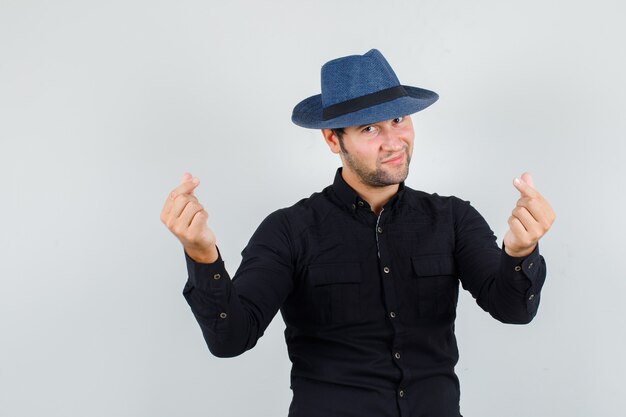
(308, 113)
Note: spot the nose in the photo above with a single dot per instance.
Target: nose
(392, 141)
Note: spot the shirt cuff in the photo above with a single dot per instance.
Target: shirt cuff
(211, 276)
(522, 267)
(530, 268)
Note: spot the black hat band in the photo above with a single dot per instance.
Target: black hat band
(363, 102)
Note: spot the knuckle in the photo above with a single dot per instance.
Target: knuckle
(535, 203)
(181, 197)
(193, 207)
(179, 229)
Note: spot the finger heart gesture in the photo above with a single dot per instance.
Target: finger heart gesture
(531, 218)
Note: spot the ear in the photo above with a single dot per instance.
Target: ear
(332, 140)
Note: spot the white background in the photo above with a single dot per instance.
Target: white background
(103, 106)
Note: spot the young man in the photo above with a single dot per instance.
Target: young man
(366, 272)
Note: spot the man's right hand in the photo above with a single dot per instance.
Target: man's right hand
(185, 217)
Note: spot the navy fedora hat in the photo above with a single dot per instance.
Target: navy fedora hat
(357, 90)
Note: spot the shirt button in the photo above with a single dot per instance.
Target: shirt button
(217, 276)
(379, 229)
(223, 315)
(353, 207)
(392, 314)
(360, 203)
(530, 265)
(386, 269)
(397, 355)
(401, 393)
(530, 298)
(518, 268)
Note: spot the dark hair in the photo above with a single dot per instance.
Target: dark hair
(339, 132)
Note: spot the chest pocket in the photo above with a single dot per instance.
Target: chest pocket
(334, 293)
(435, 285)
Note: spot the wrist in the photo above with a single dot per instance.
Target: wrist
(519, 253)
(203, 255)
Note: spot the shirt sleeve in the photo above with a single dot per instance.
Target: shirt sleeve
(507, 287)
(233, 314)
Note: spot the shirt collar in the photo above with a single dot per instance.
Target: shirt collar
(351, 200)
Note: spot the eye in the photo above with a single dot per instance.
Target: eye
(368, 129)
(398, 119)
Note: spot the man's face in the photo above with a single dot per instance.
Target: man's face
(378, 154)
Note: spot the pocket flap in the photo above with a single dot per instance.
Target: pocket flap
(433, 265)
(343, 273)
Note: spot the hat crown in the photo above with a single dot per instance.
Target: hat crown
(355, 76)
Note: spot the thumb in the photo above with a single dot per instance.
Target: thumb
(528, 179)
(188, 184)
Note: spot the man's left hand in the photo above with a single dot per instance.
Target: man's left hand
(530, 219)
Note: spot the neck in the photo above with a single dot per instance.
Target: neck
(376, 197)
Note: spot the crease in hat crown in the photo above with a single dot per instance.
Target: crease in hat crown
(355, 76)
(359, 89)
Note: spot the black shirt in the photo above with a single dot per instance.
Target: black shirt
(369, 301)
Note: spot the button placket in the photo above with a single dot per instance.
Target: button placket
(391, 302)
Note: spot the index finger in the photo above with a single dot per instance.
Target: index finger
(186, 187)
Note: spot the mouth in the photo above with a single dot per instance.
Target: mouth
(396, 159)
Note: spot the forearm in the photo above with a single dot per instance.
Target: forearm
(228, 327)
(505, 286)
(513, 294)
(233, 314)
